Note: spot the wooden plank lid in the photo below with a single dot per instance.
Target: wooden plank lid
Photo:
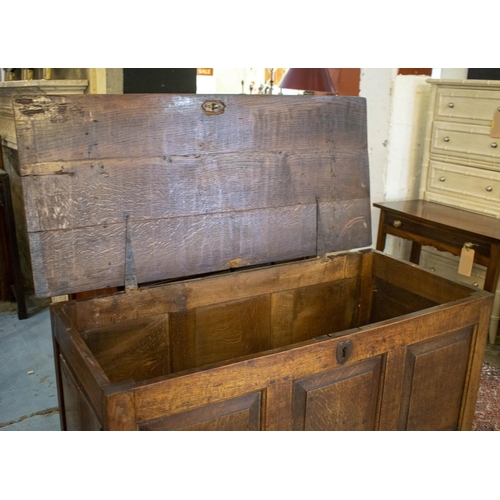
(200, 183)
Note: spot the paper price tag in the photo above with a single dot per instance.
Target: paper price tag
(495, 125)
(466, 261)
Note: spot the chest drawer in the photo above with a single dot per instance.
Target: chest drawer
(467, 105)
(465, 141)
(463, 181)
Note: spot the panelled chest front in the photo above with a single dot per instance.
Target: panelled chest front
(223, 219)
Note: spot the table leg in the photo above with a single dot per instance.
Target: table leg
(382, 235)
(416, 249)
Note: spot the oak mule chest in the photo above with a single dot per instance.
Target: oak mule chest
(229, 222)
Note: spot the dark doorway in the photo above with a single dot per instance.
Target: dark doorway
(483, 74)
(159, 80)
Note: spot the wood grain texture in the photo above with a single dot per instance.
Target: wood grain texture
(324, 401)
(197, 387)
(309, 312)
(120, 411)
(417, 280)
(434, 403)
(389, 376)
(278, 406)
(193, 293)
(232, 330)
(91, 377)
(393, 389)
(238, 414)
(65, 195)
(267, 180)
(104, 126)
(94, 257)
(389, 301)
(78, 414)
(135, 350)
(474, 369)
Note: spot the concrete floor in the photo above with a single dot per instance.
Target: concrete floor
(28, 394)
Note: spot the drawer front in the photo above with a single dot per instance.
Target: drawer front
(462, 181)
(446, 265)
(465, 141)
(445, 239)
(466, 105)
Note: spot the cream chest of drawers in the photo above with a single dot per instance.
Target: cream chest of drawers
(461, 165)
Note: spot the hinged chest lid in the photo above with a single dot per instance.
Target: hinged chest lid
(200, 183)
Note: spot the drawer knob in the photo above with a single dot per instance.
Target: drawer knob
(446, 139)
(489, 189)
(397, 223)
(476, 284)
(451, 105)
(442, 179)
(494, 144)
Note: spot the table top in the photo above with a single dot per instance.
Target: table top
(444, 215)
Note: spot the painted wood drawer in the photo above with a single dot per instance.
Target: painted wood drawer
(467, 105)
(466, 141)
(446, 264)
(464, 181)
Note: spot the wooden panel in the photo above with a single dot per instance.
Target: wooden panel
(135, 350)
(182, 329)
(267, 180)
(174, 394)
(390, 301)
(219, 332)
(325, 402)
(342, 225)
(105, 126)
(91, 377)
(238, 414)
(417, 280)
(94, 257)
(435, 374)
(309, 312)
(66, 195)
(78, 414)
(174, 297)
(234, 329)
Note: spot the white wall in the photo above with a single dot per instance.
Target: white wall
(228, 81)
(449, 73)
(376, 86)
(396, 107)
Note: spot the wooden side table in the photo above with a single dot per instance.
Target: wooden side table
(8, 245)
(447, 229)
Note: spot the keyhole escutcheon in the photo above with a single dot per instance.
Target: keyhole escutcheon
(344, 351)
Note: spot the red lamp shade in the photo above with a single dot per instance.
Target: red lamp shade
(313, 79)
